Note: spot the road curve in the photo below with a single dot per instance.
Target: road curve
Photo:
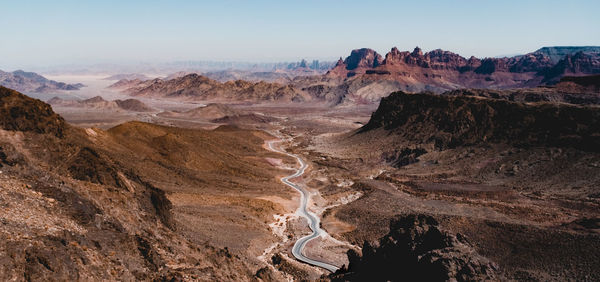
(313, 220)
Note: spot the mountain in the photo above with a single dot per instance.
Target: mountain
(196, 87)
(557, 53)
(99, 103)
(365, 77)
(578, 64)
(33, 82)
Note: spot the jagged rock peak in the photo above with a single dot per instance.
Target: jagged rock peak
(417, 52)
(363, 58)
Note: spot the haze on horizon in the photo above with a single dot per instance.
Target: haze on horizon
(47, 33)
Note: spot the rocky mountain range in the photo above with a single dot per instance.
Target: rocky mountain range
(366, 76)
(445, 69)
(31, 82)
(197, 87)
(100, 103)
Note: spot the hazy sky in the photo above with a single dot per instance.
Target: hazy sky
(44, 33)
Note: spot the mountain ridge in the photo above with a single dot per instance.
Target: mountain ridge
(32, 82)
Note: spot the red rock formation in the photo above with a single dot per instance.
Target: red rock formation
(358, 62)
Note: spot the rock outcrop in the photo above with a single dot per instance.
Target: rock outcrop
(21, 113)
(417, 249)
(452, 121)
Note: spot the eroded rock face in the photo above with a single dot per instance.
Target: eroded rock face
(416, 248)
(363, 58)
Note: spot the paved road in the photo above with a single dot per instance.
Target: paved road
(313, 220)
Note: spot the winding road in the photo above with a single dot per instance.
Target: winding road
(313, 220)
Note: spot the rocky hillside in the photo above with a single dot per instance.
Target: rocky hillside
(21, 113)
(32, 82)
(99, 103)
(451, 121)
(99, 205)
(519, 180)
(196, 87)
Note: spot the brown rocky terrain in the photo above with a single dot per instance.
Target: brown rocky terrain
(488, 183)
(136, 202)
(518, 181)
(32, 82)
(98, 103)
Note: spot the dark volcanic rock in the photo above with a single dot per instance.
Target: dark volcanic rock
(592, 81)
(416, 249)
(450, 122)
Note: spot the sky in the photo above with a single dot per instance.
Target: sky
(60, 32)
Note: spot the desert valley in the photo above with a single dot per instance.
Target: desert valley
(416, 164)
(405, 166)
